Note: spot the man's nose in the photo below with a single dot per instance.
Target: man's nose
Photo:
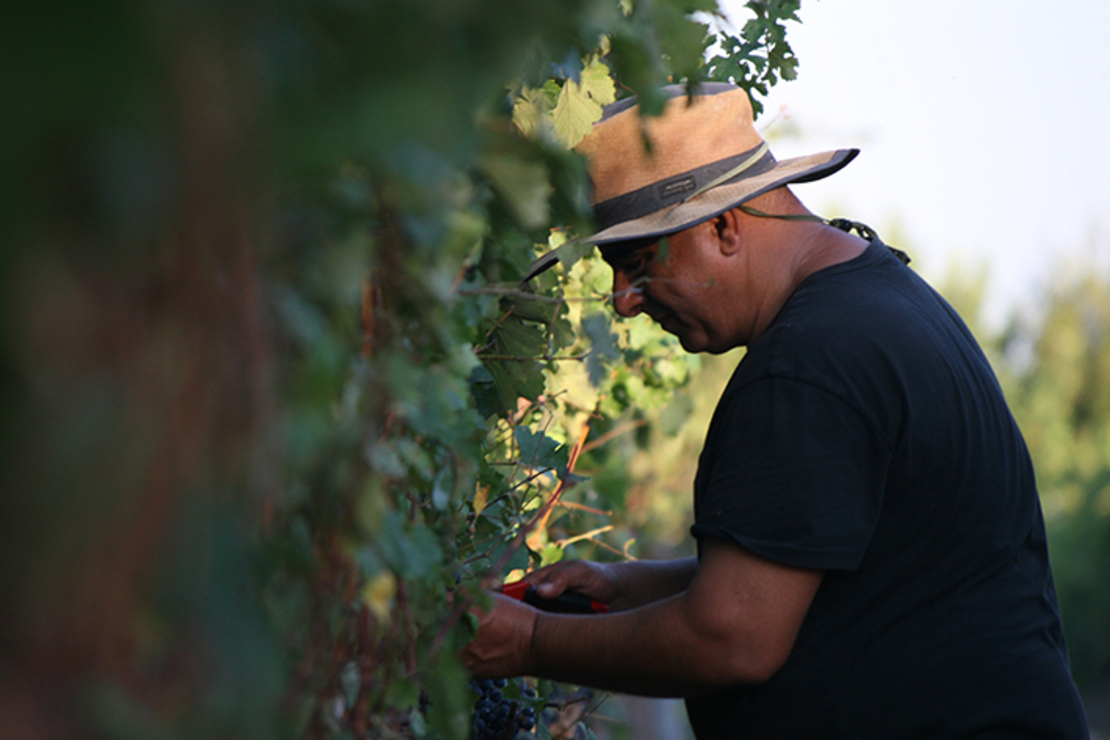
(628, 299)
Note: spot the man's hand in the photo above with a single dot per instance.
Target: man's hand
(597, 580)
(621, 586)
(502, 647)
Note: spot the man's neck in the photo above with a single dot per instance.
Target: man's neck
(827, 246)
(812, 247)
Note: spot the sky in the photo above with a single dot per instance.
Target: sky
(984, 130)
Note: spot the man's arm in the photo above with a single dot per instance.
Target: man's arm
(736, 623)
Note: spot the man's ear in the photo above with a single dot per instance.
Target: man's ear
(729, 227)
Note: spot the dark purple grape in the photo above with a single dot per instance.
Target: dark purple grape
(498, 717)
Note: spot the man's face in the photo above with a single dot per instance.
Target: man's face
(675, 281)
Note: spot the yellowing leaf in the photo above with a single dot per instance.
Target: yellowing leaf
(598, 83)
(481, 497)
(580, 103)
(529, 110)
(574, 115)
(378, 594)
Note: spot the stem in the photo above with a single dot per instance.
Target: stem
(623, 429)
(584, 536)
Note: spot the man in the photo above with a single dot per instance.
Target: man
(871, 553)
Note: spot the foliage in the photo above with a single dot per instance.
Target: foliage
(274, 400)
(757, 57)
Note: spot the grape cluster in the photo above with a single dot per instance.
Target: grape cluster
(498, 717)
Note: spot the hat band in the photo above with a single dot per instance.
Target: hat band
(674, 190)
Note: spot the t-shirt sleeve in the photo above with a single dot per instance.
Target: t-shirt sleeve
(793, 473)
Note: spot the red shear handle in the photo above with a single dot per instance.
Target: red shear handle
(568, 602)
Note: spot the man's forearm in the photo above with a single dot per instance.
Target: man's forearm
(642, 582)
(655, 650)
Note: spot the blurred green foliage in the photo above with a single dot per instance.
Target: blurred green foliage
(274, 404)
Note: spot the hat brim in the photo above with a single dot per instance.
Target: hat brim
(711, 203)
(716, 201)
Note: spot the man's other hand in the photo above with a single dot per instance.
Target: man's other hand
(502, 646)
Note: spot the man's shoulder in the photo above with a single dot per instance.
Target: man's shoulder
(874, 298)
(873, 322)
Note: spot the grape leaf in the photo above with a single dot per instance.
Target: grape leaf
(537, 450)
(575, 114)
(604, 350)
(580, 104)
(597, 81)
(529, 111)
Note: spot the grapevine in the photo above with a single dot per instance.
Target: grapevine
(267, 341)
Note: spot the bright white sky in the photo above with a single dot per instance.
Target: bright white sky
(984, 128)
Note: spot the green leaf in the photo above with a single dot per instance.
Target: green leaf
(638, 67)
(551, 90)
(700, 6)
(760, 56)
(552, 553)
(537, 450)
(570, 252)
(449, 697)
(603, 350)
(681, 39)
(516, 343)
(523, 183)
(413, 551)
(519, 339)
(511, 380)
(519, 560)
(531, 307)
(402, 692)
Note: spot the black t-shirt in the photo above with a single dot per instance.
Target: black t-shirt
(864, 433)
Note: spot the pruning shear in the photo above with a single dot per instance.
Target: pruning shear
(568, 602)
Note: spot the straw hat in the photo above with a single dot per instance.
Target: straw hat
(704, 158)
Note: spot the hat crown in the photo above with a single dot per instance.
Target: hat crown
(628, 152)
